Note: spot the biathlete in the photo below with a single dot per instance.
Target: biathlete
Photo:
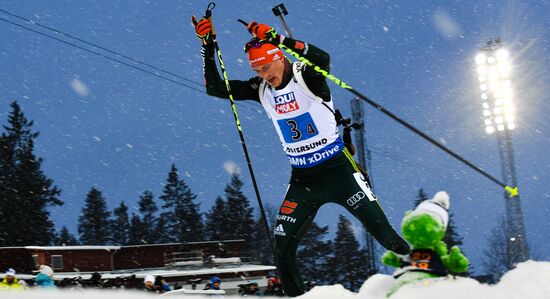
(298, 101)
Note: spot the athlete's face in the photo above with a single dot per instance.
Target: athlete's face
(271, 72)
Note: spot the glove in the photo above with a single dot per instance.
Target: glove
(262, 31)
(203, 29)
(391, 259)
(456, 261)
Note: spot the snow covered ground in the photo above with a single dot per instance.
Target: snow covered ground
(529, 280)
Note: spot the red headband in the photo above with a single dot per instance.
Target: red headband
(264, 54)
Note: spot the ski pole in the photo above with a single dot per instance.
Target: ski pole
(513, 191)
(279, 11)
(208, 15)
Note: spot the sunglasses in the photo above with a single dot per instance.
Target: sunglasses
(253, 43)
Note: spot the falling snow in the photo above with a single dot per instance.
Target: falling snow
(102, 122)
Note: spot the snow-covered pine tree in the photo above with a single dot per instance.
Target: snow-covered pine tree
(135, 234)
(216, 218)
(240, 220)
(347, 266)
(25, 192)
(422, 196)
(452, 237)
(161, 231)
(147, 209)
(93, 223)
(314, 254)
(262, 251)
(120, 225)
(181, 213)
(495, 256)
(7, 191)
(65, 238)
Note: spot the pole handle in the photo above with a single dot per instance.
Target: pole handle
(208, 15)
(209, 9)
(279, 9)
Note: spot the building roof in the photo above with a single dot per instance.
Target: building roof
(81, 247)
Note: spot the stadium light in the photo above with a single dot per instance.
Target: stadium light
(494, 69)
(494, 75)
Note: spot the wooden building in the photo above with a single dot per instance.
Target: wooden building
(114, 258)
(180, 264)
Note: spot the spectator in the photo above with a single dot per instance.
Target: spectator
(274, 287)
(132, 282)
(95, 280)
(247, 289)
(10, 282)
(149, 284)
(44, 279)
(193, 282)
(162, 284)
(214, 284)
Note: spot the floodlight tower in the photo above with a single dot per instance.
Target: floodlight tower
(493, 69)
(358, 114)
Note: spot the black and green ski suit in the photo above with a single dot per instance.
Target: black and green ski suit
(337, 179)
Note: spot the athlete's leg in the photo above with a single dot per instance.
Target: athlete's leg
(363, 204)
(349, 188)
(295, 216)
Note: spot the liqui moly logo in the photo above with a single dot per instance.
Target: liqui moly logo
(286, 103)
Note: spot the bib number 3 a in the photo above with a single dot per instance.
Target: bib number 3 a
(297, 135)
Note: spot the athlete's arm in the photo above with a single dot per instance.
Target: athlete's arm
(215, 85)
(315, 81)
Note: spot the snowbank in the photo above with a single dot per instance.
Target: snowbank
(529, 280)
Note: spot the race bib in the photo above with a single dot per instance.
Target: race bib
(301, 127)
